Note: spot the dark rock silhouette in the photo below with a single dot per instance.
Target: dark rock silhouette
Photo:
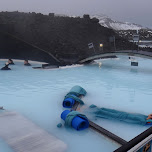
(54, 39)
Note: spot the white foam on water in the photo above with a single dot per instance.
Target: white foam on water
(71, 66)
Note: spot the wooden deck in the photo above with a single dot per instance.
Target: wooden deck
(22, 135)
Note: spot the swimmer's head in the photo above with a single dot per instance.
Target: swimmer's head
(25, 61)
(10, 61)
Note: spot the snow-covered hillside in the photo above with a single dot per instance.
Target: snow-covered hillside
(116, 25)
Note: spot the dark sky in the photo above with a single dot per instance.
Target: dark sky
(135, 11)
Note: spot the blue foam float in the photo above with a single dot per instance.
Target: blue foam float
(68, 103)
(77, 122)
(149, 124)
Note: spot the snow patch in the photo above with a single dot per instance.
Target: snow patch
(116, 25)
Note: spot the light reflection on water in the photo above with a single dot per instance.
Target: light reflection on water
(38, 95)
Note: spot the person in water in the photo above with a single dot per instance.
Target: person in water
(26, 63)
(112, 114)
(6, 67)
(1, 108)
(10, 61)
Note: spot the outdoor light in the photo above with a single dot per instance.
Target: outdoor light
(101, 45)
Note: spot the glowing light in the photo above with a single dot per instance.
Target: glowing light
(101, 45)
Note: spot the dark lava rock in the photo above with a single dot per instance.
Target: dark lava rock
(58, 40)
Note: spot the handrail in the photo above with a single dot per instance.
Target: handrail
(135, 141)
(127, 52)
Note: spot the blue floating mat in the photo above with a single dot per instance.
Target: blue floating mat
(68, 102)
(75, 119)
(74, 95)
(80, 123)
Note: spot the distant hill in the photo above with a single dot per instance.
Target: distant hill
(117, 25)
(124, 29)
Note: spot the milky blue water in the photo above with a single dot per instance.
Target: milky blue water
(38, 95)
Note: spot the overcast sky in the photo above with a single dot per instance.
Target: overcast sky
(134, 11)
